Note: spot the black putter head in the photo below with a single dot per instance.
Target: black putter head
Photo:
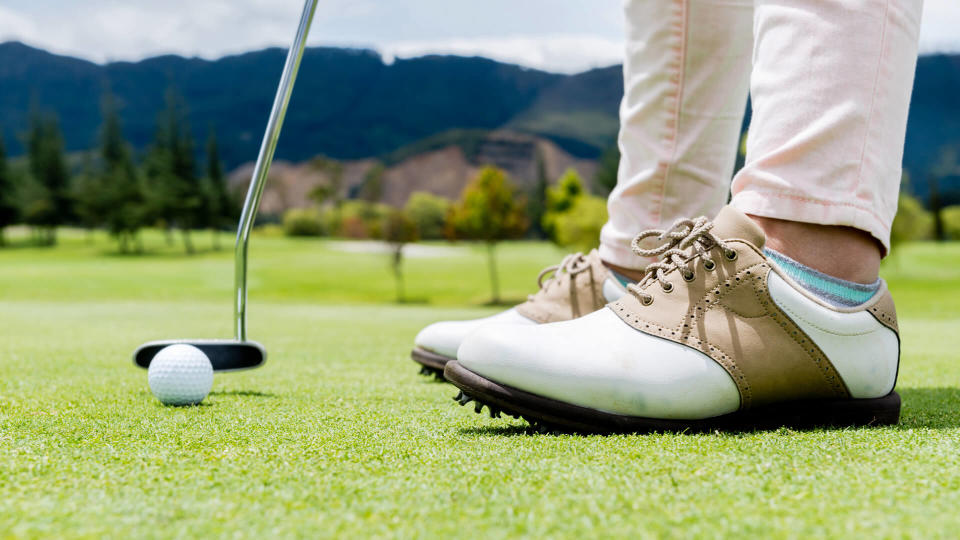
(224, 354)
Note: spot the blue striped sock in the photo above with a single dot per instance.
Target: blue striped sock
(835, 291)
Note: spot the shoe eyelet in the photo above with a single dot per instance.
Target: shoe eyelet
(668, 287)
(646, 301)
(709, 265)
(730, 255)
(689, 276)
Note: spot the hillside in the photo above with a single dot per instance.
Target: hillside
(442, 165)
(350, 105)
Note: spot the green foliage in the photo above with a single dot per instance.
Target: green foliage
(537, 205)
(303, 222)
(606, 176)
(122, 201)
(579, 227)
(358, 219)
(175, 192)
(951, 222)
(560, 200)
(429, 212)
(489, 210)
(911, 223)
(219, 210)
(371, 190)
(9, 211)
(48, 200)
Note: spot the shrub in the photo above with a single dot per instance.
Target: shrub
(579, 227)
(429, 213)
(951, 221)
(302, 222)
(911, 223)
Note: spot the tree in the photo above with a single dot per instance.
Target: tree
(606, 177)
(48, 201)
(429, 212)
(175, 193)
(579, 227)
(911, 223)
(8, 206)
(372, 188)
(537, 204)
(121, 202)
(398, 230)
(218, 207)
(560, 199)
(489, 210)
(329, 192)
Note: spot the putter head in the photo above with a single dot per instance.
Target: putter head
(224, 354)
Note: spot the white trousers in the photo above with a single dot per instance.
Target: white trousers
(830, 83)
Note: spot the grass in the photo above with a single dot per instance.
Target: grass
(338, 437)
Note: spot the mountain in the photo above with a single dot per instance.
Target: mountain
(442, 164)
(349, 104)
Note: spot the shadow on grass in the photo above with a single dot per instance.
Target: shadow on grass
(243, 393)
(503, 302)
(499, 431)
(931, 408)
(937, 408)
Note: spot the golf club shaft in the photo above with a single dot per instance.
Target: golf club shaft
(267, 147)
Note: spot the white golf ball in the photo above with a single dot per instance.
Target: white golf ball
(180, 374)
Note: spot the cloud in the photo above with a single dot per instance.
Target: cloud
(560, 53)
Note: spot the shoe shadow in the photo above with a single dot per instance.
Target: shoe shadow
(499, 431)
(931, 408)
(935, 408)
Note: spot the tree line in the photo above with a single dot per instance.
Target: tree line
(114, 189)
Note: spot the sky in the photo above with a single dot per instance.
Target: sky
(555, 35)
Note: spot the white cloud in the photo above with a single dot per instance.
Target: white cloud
(568, 54)
(940, 28)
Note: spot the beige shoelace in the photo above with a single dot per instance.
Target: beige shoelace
(681, 237)
(572, 264)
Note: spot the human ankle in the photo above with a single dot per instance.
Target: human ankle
(842, 252)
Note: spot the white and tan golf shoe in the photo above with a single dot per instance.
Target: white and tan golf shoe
(716, 336)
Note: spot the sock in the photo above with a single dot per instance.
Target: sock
(624, 280)
(835, 291)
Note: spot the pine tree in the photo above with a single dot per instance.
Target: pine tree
(8, 207)
(218, 211)
(48, 203)
(174, 190)
(122, 199)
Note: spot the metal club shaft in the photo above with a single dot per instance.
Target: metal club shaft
(264, 159)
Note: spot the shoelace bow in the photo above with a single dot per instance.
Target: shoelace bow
(673, 254)
(572, 264)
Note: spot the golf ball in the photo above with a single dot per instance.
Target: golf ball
(180, 374)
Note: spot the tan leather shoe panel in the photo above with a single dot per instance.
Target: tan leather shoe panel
(569, 294)
(885, 312)
(727, 313)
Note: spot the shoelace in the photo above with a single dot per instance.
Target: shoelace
(572, 264)
(683, 235)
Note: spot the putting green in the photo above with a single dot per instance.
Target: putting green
(338, 436)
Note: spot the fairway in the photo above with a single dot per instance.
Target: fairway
(337, 435)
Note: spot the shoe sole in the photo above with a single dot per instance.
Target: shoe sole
(431, 363)
(545, 414)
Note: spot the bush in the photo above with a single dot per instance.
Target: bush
(951, 222)
(579, 227)
(560, 199)
(303, 222)
(429, 213)
(911, 223)
(361, 219)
